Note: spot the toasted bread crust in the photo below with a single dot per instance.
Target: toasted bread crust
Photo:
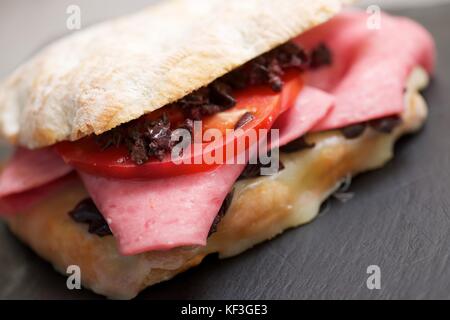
(117, 71)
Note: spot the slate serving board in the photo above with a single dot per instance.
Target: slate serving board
(398, 219)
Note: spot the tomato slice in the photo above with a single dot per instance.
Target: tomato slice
(261, 102)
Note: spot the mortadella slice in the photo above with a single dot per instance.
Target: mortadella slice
(311, 106)
(29, 169)
(20, 202)
(160, 214)
(370, 66)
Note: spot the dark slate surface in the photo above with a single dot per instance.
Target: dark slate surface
(399, 219)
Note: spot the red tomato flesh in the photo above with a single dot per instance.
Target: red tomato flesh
(115, 162)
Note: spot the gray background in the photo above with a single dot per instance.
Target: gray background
(398, 219)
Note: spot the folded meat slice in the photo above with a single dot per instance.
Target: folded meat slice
(160, 214)
(22, 201)
(370, 66)
(29, 169)
(311, 106)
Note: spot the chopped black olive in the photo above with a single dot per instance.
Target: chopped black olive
(222, 95)
(87, 212)
(321, 56)
(253, 170)
(385, 125)
(188, 124)
(222, 211)
(246, 118)
(297, 145)
(354, 131)
(269, 68)
(158, 138)
(138, 151)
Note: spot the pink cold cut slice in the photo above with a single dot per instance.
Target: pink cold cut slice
(311, 106)
(20, 202)
(29, 169)
(370, 67)
(161, 214)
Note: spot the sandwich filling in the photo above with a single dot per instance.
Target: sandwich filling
(340, 75)
(260, 209)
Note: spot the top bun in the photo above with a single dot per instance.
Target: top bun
(116, 71)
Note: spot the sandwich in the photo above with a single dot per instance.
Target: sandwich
(137, 141)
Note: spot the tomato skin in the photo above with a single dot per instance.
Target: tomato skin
(115, 162)
(293, 85)
(126, 168)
